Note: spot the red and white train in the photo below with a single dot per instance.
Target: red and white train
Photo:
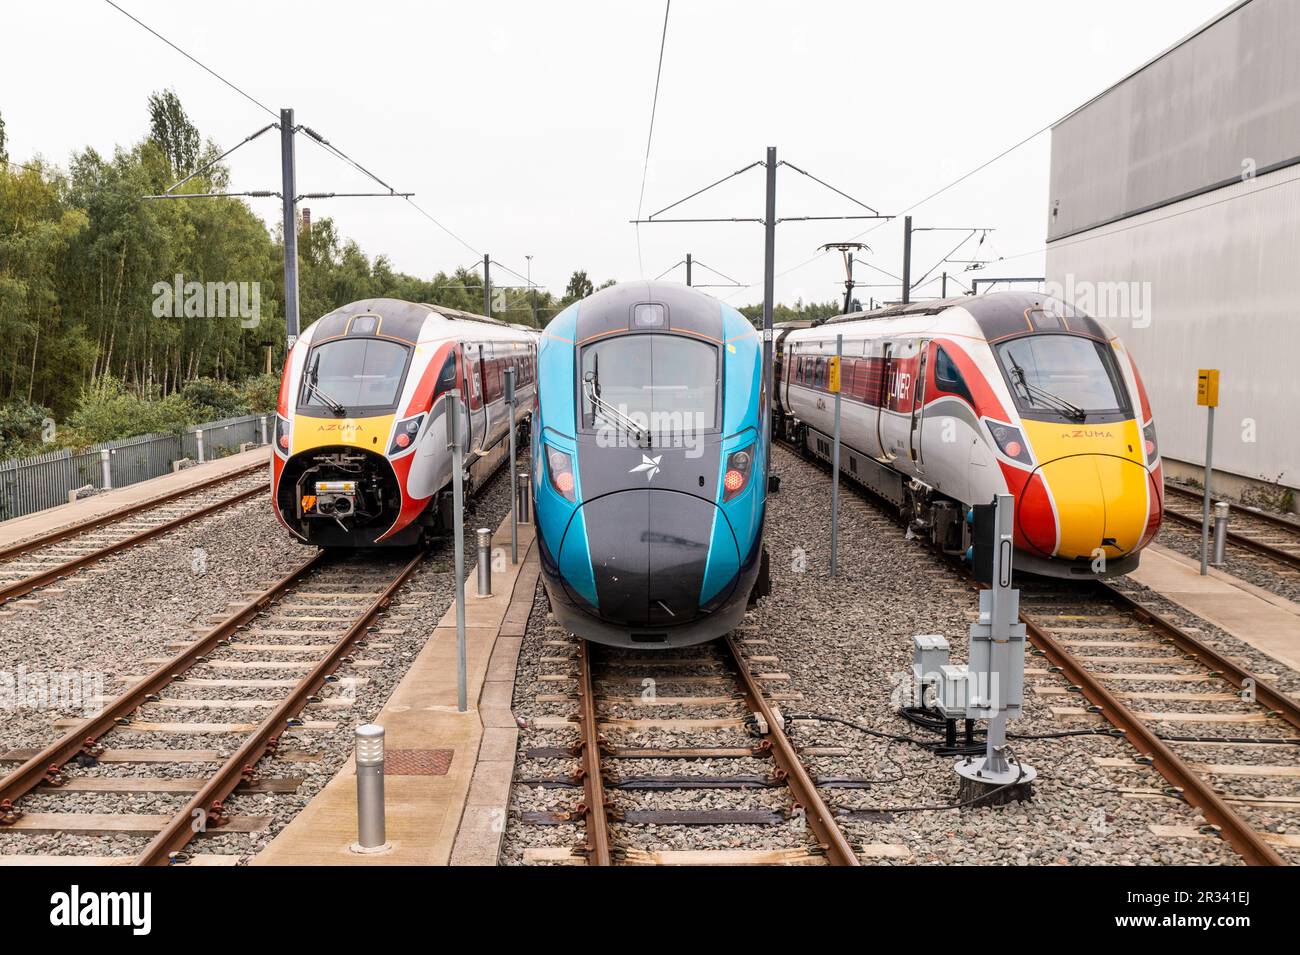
(946, 403)
(360, 452)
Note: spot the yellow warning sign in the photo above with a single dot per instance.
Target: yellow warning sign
(1207, 387)
(833, 375)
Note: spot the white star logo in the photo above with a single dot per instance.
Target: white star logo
(649, 465)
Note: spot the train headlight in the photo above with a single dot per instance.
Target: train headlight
(1149, 443)
(1011, 442)
(739, 466)
(560, 470)
(404, 435)
(281, 435)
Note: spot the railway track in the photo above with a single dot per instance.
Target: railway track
(1222, 736)
(40, 561)
(247, 681)
(1176, 700)
(666, 711)
(1258, 532)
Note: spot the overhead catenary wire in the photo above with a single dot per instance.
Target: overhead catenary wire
(649, 139)
(312, 135)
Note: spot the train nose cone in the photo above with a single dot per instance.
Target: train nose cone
(651, 552)
(1083, 503)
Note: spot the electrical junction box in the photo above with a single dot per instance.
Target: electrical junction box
(997, 672)
(929, 653)
(953, 691)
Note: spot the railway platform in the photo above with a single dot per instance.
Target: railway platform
(99, 505)
(447, 774)
(1269, 623)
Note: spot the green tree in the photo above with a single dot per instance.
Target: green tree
(171, 129)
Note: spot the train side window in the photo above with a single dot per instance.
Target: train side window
(948, 377)
(821, 373)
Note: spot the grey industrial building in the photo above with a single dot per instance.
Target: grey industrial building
(1174, 216)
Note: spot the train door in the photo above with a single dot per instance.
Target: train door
(884, 397)
(474, 390)
(918, 408)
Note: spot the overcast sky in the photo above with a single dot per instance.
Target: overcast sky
(521, 125)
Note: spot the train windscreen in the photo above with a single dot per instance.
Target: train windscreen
(668, 384)
(1062, 375)
(354, 373)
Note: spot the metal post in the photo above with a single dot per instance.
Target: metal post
(769, 281)
(483, 537)
(106, 466)
(532, 292)
(514, 503)
(289, 189)
(262, 422)
(1205, 504)
(487, 284)
(907, 259)
(524, 496)
(943, 288)
(688, 268)
(1221, 509)
(370, 789)
(835, 463)
(198, 441)
(452, 405)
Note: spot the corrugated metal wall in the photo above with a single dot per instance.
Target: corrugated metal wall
(1224, 293)
(33, 484)
(1228, 96)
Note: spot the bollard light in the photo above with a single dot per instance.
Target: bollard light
(484, 538)
(523, 491)
(1221, 509)
(370, 789)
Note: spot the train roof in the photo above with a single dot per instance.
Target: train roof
(684, 309)
(401, 320)
(998, 315)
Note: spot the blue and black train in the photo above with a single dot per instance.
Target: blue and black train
(649, 466)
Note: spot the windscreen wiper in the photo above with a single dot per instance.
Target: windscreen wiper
(329, 402)
(589, 389)
(1036, 395)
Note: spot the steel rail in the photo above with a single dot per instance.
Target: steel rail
(1240, 540)
(207, 804)
(73, 530)
(1265, 693)
(594, 805)
(819, 816)
(84, 735)
(1275, 519)
(27, 584)
(1195, 790)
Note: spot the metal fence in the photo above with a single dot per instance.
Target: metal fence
(33, 484)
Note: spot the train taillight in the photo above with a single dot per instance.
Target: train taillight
(404, 434)
(560, 470)
(736, 478)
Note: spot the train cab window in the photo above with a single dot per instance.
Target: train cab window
(948, 377)
(354, 373)
(667, 383)
(1062, 376)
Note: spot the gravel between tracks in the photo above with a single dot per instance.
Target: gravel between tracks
(149, 596)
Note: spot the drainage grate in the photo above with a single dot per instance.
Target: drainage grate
(417, 762)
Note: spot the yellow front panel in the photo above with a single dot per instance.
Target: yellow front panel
(1098, 480)
(370, 434)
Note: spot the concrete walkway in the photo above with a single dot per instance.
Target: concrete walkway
(87, 509)
(448, 774)
(1269, 623)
